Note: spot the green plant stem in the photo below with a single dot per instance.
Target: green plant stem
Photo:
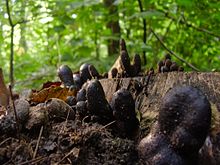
(172, 53)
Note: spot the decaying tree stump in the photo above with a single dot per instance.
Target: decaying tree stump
(148, 92)
(148, 99)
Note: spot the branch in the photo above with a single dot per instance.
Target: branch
(198, 28)
(144, 30)
(21, 22)
(190, 25)
(9, 14)
(171, 52)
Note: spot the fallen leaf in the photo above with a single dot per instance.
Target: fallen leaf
(4, 93)
(51, 92)
(49, 84)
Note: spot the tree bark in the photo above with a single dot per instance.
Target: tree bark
(113, 25)
(11, 75)
(149, 98)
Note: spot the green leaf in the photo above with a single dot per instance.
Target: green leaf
(185, 3)
(59, 28)
(67, 20)
(147, 14)
(117, 2)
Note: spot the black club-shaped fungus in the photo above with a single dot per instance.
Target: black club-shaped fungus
(84, 72)
(137, 63)
(93, 72)
(97, 103)
(154, 149)
(77, 80)
(185, 116)
(66, 75)
(123, 45)
(125, 62)
(123, 107)
(183, 124)
(81, 95)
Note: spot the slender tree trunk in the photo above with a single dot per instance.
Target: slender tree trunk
(22, 41)
(144, 31)
(12, 57)
(96, 45)
(1, 38)
(113, 25)
(11, 75)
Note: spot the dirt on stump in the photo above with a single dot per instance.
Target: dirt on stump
(67, 142)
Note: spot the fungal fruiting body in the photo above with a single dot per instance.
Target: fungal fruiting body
(84, 72)
(125, 62)
(66, 75)
(93, 71)
(97, 103)
(189, 115)
(183, 124)
(77, 80)
(137, 63)
(123, 107)
(167, 65)
(155, 150)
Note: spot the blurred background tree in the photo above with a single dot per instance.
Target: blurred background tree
(47, 33)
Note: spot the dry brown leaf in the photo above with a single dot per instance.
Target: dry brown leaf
(49, 84)
(52, 92)
(4, 93)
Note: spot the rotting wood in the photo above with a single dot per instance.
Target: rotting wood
(149, 99)
(160, 83)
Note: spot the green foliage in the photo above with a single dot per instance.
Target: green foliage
(54, 32)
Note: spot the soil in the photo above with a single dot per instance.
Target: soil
(68, 142)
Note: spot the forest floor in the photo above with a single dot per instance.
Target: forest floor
(69, 142)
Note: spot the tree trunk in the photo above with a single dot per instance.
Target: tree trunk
(22, 41)
(154, 88)
(159, 84)
(113, 25)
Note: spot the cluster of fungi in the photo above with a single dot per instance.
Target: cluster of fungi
(175, 139)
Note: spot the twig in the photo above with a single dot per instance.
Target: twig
(15, 112)
(107, 125)
(8, 162)
(202, 30)
(65, 156)
(198, 28)
(33, 161)
(65, 124)
(38, 141)
(190, 25)
(144, 31)
(171, 52)
(5, 141)
(83, 120)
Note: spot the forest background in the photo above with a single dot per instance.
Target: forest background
(37, 36)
